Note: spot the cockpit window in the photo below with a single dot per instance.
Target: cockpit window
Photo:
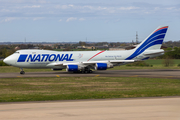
(17, 52)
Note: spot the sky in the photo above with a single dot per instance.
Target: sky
(87, 20)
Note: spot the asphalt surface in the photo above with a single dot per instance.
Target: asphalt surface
(150, 73)
(110, 109)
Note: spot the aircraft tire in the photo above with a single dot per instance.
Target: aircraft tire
(22, 72)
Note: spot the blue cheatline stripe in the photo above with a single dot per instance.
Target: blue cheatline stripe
(154, 39)
(22, 58)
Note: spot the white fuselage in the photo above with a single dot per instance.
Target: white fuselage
(41, 58)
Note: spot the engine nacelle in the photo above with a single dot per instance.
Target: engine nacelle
(56, 69)
(73, 68)
(103, 66)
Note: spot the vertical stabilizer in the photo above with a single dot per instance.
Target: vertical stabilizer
(152, 42)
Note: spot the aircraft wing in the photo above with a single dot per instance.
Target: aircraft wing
(109, 61)
(90, 62)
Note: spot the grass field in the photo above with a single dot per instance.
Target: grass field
(66, 88)
(157, 64)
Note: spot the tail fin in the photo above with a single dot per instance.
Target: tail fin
(152, 42)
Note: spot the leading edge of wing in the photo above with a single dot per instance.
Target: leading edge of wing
(89, 62)
(109, 61)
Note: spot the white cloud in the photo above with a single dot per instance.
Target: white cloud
(81, 19)
(37, 18)
(42, 1)
(89, 7)
(33, 6)
(4, 10)
(24, 1)
(170, 8)
(34, 10)
(71, 19)
(101, 8)
(71, 5)
(156, 8)
(36, 6)
(64, 7)
(128, 8)
(8, 19)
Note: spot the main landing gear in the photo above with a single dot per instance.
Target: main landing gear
(86, 70)
(22, 72)
(83, 71)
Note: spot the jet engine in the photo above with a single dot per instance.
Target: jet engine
(56, 69)
(103, 66)
(73, 68)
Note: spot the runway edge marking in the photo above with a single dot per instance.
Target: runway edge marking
(134, 76)
(19, 76)
(57, 76)
(97, 75)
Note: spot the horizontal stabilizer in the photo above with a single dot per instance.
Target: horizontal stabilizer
(155, 53)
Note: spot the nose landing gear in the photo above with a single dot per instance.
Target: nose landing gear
(22, 72)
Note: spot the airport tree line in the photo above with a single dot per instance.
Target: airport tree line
(171, 53)
(6, 50)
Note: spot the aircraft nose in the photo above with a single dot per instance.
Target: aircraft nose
(7, 60)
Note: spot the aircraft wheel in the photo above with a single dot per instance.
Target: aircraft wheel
(79, 71)
(22, 72)
(90, 71)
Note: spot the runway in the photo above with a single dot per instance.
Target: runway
(111, 109)
(151, 73)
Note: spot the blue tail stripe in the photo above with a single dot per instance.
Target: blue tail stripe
(159, 36)
(152, 44)
(154, 39)
(158, 33)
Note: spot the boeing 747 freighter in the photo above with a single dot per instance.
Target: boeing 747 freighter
(85, 61)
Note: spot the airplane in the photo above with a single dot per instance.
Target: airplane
(85, 61)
